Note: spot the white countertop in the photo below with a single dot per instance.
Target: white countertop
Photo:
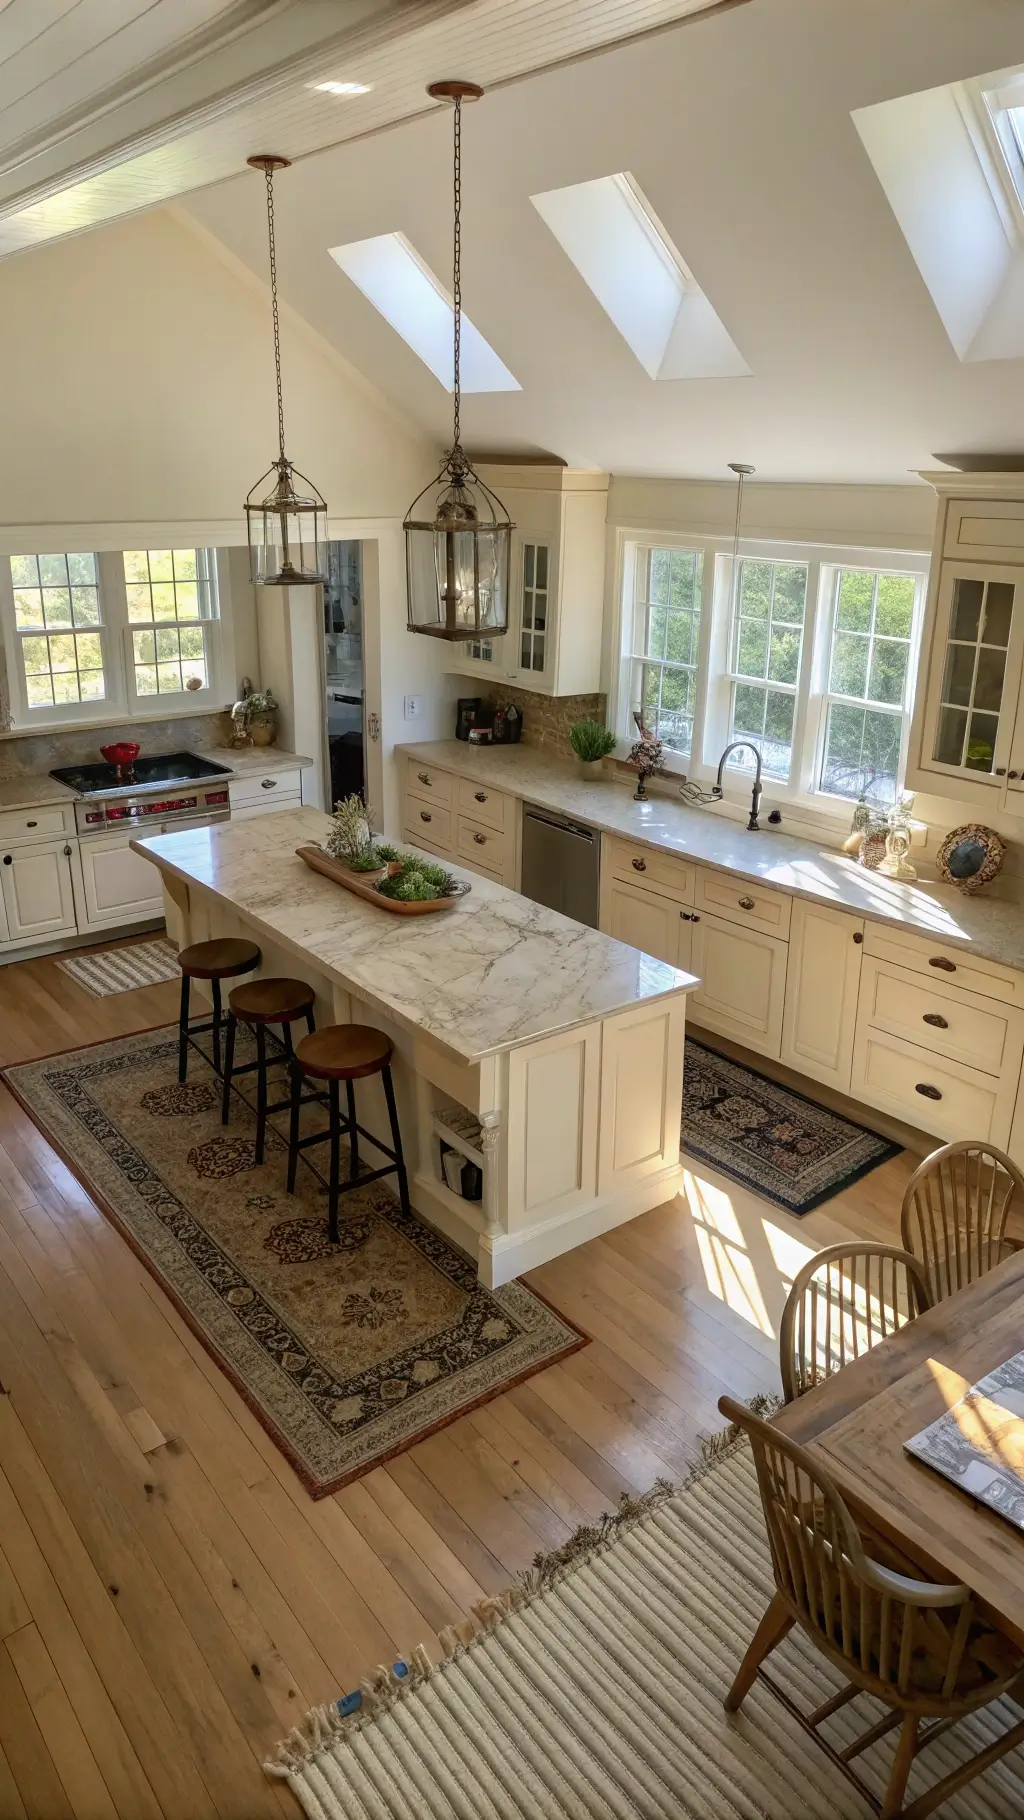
(495, 972)
(32, 792)
(992, 927)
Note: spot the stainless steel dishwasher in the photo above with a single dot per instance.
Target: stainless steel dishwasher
(561, 865)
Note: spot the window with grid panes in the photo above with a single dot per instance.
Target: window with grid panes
(868, 684)
(765, 648)
(666, 642)
(170, 603)
(58, 624)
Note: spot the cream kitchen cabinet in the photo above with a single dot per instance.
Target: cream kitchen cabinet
(556, 583)
(117, 885)
(36, 883)
(264, 795)
(646, 920)
(467, 824)
(822, 985)
(742, 989)
(967, 739)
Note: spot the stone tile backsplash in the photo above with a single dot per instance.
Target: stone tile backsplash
(33, 754)
(547, 718)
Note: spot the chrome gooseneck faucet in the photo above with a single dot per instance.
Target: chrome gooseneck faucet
(753, 825)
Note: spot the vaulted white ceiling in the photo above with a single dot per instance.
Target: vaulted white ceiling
(737, 127)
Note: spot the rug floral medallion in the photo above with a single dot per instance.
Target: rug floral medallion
(348, 1353)
(783, 1146)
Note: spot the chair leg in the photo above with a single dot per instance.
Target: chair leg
(229, 1062)
(183, 1016)
(903, 1763)
(353, 1135)
(261, 1090)
(293, 1126)
(216, 1025)
(777, 1623)
(310, 1021)
(396, 1140)
(332, 1205)
(286, 1037)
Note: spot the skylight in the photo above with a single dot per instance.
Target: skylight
(623, 254)
(391, 274)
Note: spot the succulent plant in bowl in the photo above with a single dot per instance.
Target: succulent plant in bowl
(413, 880)
(592, 743)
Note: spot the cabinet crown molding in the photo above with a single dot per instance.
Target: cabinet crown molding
(950, 484)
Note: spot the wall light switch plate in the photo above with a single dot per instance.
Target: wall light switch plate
(413, 707)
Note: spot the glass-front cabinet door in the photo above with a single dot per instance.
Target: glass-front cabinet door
(974, 676)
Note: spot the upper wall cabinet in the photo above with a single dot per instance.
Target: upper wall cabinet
(553, 644)
(967, 739)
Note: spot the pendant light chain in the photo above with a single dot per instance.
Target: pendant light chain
(269, 174)
(457, 270)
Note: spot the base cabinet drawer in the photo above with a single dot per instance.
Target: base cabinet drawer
(481, 804)
(478, 845)
(265, 792)
(433, 786)
(425, 841)
(47, 823)
(647, 868)
(742, 983)
(940, 1096)
(724, 895)
(429, 825)
(959, 1026)
(944, 963)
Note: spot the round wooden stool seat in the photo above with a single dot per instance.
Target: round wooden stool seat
(219, 959)
(271, 1001)
(343, 1052)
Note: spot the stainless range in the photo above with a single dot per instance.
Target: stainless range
(157, 795)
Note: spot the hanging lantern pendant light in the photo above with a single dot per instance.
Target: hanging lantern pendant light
(287, 528)
(457, 546)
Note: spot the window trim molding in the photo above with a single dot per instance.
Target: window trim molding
(710, 724)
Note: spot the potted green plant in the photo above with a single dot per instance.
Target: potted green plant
(261, 712)
(414, 880)
(592, 743)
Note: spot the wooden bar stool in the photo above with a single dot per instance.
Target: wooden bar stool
(259, 1003)
(214, 961)
(349, 1053)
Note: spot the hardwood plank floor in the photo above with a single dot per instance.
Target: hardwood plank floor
(170, 1599)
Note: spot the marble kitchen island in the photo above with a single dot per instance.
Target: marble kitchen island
(565, 1046)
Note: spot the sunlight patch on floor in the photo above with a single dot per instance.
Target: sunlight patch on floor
(729, 1269)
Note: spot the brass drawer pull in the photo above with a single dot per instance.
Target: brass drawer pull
(425, 815)
(941, 961)
(269, 783)
(858, 938)
(424, 776)
(481, 796)
(639, 865)
(481, 840)
(935, 1020)
(930, 1093)
(31, 824)
(746, 903)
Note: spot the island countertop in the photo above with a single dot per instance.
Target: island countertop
(992, 927)
(495, 972)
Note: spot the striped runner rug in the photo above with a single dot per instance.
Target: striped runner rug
(593, 1691)
(124, 969)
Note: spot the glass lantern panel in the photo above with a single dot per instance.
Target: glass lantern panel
(287, 549)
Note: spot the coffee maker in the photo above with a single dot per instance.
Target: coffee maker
(467, 714)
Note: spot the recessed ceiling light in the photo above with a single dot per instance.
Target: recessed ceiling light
(341, 88)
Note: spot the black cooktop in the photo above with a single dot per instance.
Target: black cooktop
(165, 768)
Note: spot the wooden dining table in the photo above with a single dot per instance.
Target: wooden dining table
(856, 1423)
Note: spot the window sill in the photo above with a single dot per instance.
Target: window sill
(47, 728)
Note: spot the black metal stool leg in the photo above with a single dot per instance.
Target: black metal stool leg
(186, 986)
(353, 1135)
(286, 1033)
(396, 1139)
(293, 1126)
(216, 1024)
(261, 1090)
(229, 1062)
(332, 1205)
(310, 1021)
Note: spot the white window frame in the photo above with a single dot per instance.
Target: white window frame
(712, 708)
(121, 701)
(632, 660)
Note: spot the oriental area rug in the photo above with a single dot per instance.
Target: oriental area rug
(768, 1138)
(347, 1353)
(593, 1691)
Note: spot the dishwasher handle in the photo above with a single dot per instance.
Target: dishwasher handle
(562, 826)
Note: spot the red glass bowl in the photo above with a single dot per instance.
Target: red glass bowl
(123, 754)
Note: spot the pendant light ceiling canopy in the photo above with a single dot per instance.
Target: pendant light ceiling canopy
(457, 532)
(287, 524)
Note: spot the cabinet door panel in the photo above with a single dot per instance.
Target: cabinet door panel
(646, 921)
(119, 885)
(641, 1093)
(973, 677)
(742, 983)
(821, 993)
(38, 897)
